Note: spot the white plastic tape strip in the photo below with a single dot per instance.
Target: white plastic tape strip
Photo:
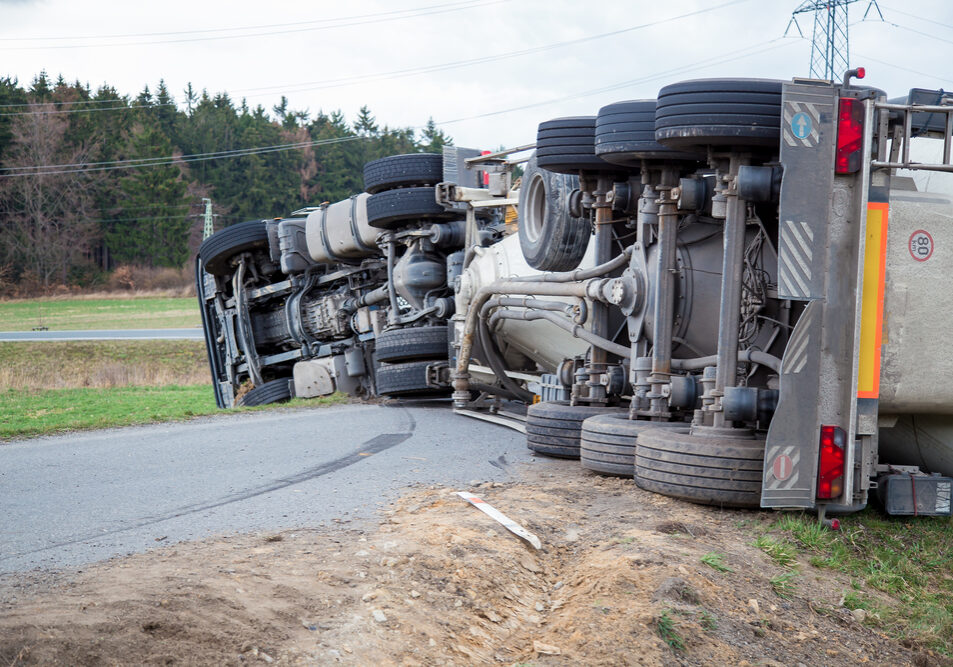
(498, 516)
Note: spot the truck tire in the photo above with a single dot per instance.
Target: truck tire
(625, 135)
(415, 343)
(742, 113)
(607, 442)
(220, 247)
(406, 379)
(401, 171)
(571, 150)
(392, 209)
(711, 471)
(273, 391)
(550, 237)
(553, 427)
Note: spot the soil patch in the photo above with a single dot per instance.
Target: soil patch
(620, 580)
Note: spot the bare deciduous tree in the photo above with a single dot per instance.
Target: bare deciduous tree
(46, 216)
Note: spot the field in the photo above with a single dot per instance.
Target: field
(52, 387)
(102, 364)
(114, 312)
(38, 412)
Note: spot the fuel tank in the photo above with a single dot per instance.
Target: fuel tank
(339, 231)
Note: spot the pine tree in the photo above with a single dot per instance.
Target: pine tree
(434, 139)
(190, 98)
(151, 226)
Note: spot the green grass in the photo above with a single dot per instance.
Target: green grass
(707, 620)
(783, 584)
(85, 314)
(781, 552)
(42, 412)
(901, 570)
(716, 561)
(668, 631)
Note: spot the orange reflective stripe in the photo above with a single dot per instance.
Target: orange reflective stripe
(872, 301)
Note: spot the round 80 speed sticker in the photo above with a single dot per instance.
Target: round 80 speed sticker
(921, 245)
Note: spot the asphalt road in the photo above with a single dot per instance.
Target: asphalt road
(104, 334)
(73, 499)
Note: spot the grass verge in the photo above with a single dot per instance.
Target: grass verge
(901, 570)
(108, 313)
(43, 412)
(75, 364)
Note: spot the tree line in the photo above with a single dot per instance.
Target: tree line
(91, 180)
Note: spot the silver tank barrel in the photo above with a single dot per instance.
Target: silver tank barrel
(340, 231)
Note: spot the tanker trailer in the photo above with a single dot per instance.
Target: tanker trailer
(809, 367)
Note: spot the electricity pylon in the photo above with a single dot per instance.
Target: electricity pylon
(830, 43)
(209, 217)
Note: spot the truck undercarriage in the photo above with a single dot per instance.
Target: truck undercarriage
(726, 292)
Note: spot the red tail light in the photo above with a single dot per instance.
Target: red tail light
(486, 174)
(850, 136)
(830, 471)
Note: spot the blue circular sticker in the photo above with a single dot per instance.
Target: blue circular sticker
(801, 125)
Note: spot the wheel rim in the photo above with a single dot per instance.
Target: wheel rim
(536, 208)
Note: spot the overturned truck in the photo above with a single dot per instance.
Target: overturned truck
(734, 292)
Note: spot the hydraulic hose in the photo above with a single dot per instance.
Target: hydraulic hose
(751, 356)
(495, 361)
(547, 284)
(579, 312)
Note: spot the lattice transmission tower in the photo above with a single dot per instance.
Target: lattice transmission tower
(830, 43)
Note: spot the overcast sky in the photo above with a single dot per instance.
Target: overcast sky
(341, 55)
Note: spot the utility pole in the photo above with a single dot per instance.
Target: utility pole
(830, 42)
(209, 216)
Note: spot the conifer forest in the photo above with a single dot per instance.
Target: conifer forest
(91, 180)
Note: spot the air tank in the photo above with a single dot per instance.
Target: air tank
(340, 232)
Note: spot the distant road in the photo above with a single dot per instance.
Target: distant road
(111, 334)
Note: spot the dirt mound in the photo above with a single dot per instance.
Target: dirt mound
(624, 577)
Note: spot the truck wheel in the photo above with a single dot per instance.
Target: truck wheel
(625, 135)
(550, 237)
(719, 112)
(566, 146)
(554, 427)
(392, 209)
(415, 343)
(220, 247)
(407, 379)
(401, 171)
(273, 391)
(711, 471)
(607, 442)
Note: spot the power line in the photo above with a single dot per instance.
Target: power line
(254, 27)
(40, 104)
(903, 69)
(171, 158)
(916, 16)
(52, 170)
(918, 32)
(146, 206)
(625, 84)
(62, 111)
(323, 25)
(149, 217)
(200, 157)
(428, 69)
(334, 83)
